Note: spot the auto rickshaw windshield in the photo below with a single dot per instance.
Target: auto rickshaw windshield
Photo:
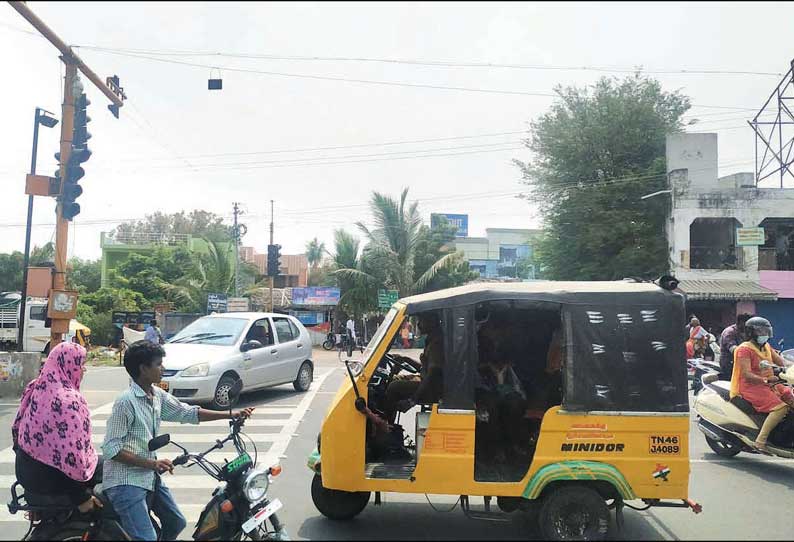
(379, 334)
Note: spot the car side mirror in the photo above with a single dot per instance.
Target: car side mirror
(159, 441)
(250, 345)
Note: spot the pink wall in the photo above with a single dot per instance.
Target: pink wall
(781, 282)
(745, 307)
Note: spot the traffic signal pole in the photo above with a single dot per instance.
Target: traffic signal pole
(59, 326)
(115, 94)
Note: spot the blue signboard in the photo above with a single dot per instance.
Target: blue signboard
(308, 318)
(315, 296)
(460, 221)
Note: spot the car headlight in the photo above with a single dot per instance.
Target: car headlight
(202, 369)
(255, 485)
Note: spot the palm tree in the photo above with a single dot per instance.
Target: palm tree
(211, 272)
(388, 258)
(314, 252)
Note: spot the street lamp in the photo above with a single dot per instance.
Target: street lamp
(45, 118)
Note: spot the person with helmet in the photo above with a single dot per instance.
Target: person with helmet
(752, 382)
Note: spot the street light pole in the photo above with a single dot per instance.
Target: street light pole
(49, 122)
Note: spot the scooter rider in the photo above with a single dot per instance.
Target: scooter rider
(730, 339)
(131, 471)
(752, 382)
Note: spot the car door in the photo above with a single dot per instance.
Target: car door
(36, 334)
(290, 348)
(259, 364)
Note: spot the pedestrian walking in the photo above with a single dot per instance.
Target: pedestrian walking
(153, 334)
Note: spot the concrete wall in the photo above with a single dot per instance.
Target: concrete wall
(698, 192)
(17, 369)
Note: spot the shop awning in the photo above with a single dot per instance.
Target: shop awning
(726, 290)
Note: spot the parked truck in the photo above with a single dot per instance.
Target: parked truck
(37, 333)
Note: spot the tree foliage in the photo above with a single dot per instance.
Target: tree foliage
(198, 223)
(401, 254)
(596, 152)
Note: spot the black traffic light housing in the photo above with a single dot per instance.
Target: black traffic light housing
(273, 260)
(80, 153)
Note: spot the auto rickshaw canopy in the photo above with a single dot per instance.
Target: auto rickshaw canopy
(623, 341)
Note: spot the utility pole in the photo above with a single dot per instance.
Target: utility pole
(63, 304)
(272, 278)
(236, 251)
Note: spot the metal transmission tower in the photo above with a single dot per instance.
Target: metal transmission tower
(775, 138)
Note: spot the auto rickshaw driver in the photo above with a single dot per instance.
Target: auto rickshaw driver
(405, 393)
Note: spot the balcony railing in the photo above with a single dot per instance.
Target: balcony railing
(714, 257)
(769, 259)
(145, 238)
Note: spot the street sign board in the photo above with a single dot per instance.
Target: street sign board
(315, 296)
(216, 303)
(460, 221)
(387, 298)
(237, 304)
(750, 237)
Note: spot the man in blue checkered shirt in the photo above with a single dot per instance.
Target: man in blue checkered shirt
(131, 473)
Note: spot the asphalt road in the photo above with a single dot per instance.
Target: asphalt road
(743, 498)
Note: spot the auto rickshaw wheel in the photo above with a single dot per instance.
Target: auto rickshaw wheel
(573, 512)
(336, 504)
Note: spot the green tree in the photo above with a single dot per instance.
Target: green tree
(43, 254)
(389, 258)
(85, 276)
(212, 272)
(197, 223)
(107, 300)
(314, 252)
(148, 274)
(596, 152)
(433, 243)
(11, 272)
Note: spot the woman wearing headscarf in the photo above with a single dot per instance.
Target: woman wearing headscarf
(52, 431)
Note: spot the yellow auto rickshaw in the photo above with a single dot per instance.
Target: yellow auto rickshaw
(563, 399)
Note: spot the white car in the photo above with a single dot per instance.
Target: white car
(203, 360)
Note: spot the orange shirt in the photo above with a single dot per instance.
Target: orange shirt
(751, 350)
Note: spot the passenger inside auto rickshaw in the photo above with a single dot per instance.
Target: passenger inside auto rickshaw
(405, 392)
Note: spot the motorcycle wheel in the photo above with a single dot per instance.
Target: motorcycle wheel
(328, 344)
(722, 448)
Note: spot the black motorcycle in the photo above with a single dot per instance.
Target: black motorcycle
(239, 507)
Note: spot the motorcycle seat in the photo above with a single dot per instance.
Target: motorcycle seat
(40, 500)
(745, 406)
(722, 388)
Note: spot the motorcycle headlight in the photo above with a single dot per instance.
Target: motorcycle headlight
(202, 369)
(255, 485)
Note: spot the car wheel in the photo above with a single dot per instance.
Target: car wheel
(221, 399)
(574, 512)
(723, 448)
(336, 504)
(305, 377)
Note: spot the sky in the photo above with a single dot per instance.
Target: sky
(288, 129)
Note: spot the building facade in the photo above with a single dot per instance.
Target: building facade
(502, 253)
(731, 243)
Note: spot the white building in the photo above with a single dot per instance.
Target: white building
(709, 241)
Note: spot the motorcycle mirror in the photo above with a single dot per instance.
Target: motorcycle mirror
(159, 442)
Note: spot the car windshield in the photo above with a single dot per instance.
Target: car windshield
(373, 343)
(217, 331)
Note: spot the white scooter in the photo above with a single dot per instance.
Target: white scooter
(730, 427)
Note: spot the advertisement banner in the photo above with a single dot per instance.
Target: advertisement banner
(459, 221)
(315, 296)
(238, 304)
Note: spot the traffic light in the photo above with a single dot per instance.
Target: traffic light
(273, 260)
(80, 153)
